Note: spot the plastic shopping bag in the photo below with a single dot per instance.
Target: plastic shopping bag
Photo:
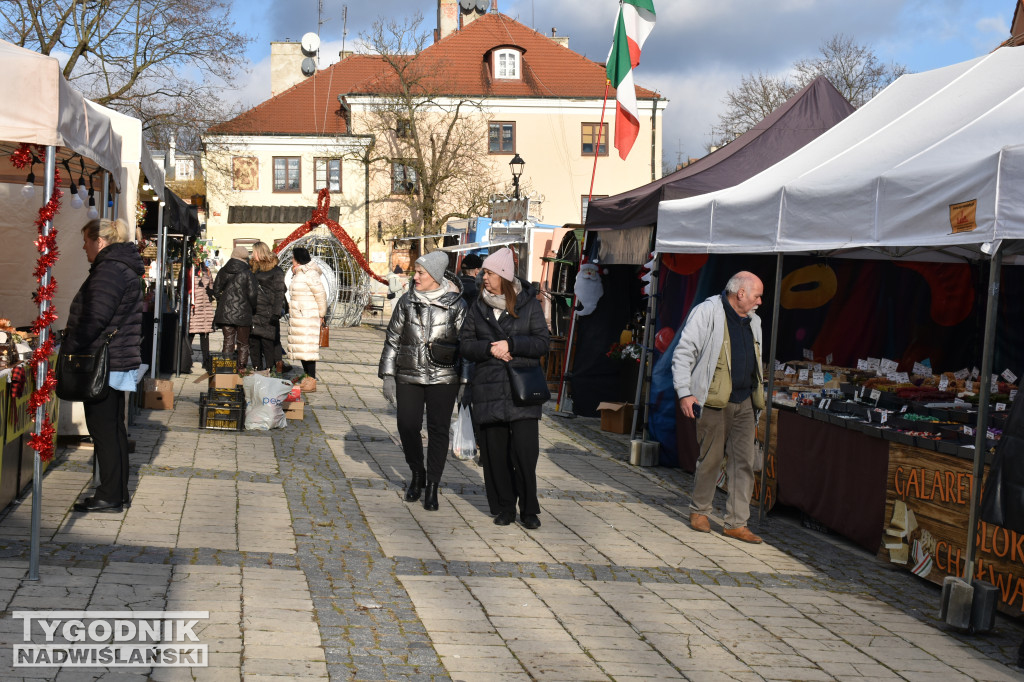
(263, 398)
(462, 438)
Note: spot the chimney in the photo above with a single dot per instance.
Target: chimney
(447, 18)
(169, 163)
(285, 66)
(561, 40)
(344, 54)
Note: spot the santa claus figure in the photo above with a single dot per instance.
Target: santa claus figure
(588, 289)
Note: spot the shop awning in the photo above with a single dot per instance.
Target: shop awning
(932, 167)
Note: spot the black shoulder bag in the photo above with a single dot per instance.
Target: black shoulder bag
(529, 385)
(84, 377)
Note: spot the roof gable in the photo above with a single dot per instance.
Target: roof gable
(455, 66)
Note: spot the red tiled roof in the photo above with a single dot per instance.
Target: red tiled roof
(457, 66)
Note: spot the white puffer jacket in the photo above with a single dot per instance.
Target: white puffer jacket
(307, 303)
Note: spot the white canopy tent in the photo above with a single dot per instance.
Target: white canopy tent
(932, 168)
(885, 178)
(39, 107)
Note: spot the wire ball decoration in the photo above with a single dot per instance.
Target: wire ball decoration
(351, 284)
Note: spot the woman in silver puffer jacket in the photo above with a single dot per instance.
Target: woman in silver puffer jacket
(420, 369)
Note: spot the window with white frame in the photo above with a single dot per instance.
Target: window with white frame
(506, 64)
(327, 173)
(403, 178)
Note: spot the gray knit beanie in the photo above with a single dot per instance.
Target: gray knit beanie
(435, 263)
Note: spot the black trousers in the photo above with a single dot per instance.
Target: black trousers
(309, 367)
(509, 454)
(439, 401)
(204, 347)
(262, 352)
(105, 421)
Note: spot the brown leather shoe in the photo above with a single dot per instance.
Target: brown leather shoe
(742, 534)
(699, 522)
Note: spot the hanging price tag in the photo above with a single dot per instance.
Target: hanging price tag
(1000, 407)
(875, 395)
(1013, 395)
(818, 379)
(903, 409)
(790, 371)
(969, 386)
(968, 431)
(885, 417)
(888, 365)
(873, 364)
(995, 384)
(808, 354)
(962, 374)
(828, 359)
(1010, 377)
(921, 370)
(943, 382)
(802, 376)
(862, 364)
(975, 373)
(959, 401)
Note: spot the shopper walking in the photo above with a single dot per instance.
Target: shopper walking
(470, 270)
(200, 319)
(235, 289)
(109, 302)
(505, 325)
(420, 369)
(266, 320)
(307, 307)
(716, 373)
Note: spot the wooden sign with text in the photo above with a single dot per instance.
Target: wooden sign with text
(927, 508)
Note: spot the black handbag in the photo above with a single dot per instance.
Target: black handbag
(443, 353)
(84, 377)
(529, 385)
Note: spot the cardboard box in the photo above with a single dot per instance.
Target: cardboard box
(225, 380)
(294, 409)
(158, 394)
(616, 417)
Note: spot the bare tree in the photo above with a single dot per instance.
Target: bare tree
(165, 62)
(854, 70)
(428, 159)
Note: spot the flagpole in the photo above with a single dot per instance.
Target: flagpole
(597, 149)
(590, 197)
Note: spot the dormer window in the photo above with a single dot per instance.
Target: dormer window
(506, 64)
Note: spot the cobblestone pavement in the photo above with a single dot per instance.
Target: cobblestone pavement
(311, 566)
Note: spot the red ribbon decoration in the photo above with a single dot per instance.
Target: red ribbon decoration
(42, 442)
(323, 203)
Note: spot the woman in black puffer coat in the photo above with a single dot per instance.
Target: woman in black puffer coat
(266, 320)
(110, 300)
(235, 290)
(505, 324)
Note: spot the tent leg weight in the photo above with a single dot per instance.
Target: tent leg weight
(968, 606)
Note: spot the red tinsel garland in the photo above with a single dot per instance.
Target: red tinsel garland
(323, 203)
(42, 442)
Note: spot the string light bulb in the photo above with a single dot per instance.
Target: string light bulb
(93, 213)
(29, 189)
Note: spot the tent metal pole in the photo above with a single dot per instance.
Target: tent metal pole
(41, 371)
(106, 196)
(646, 357)
(981, 433)
(158, 298)
(178, 332)
(572, 334)
(777, 295)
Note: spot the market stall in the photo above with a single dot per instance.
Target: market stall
(930, 170)
(43, 121)
(621, 231)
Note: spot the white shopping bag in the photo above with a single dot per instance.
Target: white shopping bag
(462, 439)
(263, 398)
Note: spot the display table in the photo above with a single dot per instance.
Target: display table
(835, 475)
(17, 458)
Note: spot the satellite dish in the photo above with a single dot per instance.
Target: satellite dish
(308, 66)
(482, 5)
(310, 44)
(467, 5)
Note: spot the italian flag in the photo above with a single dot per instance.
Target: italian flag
(634, 24)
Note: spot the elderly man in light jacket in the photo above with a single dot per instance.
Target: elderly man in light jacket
(716, 373)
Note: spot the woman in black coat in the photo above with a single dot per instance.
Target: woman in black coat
(109, 301)
(235, 289)
(266, 320)
(505, 325)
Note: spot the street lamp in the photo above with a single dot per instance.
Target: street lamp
(516, 164)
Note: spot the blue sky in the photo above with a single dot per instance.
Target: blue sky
(699, 48)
